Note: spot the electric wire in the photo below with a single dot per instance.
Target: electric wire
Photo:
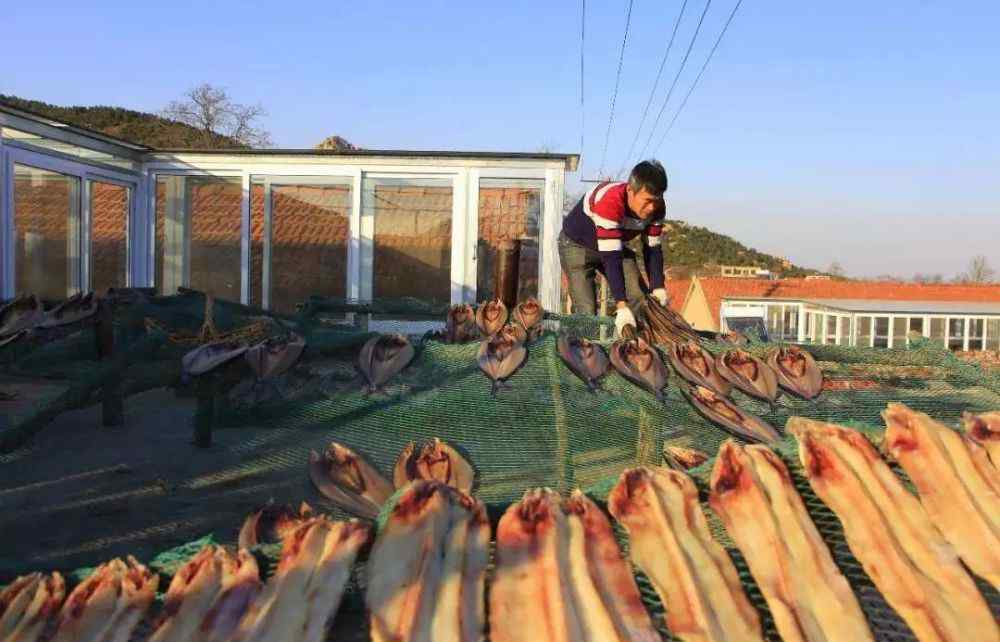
(614, 95)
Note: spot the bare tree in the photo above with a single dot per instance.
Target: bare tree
(928, 279)
(211, 110)
(836, 269)
(979, 271)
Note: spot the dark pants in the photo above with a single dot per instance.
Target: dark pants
(582, 264)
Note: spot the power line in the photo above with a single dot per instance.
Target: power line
(614, 96)
(652, 94)
(583, 112)
(673, 85)
(698, 77)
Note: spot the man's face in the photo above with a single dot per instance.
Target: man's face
(643, 203)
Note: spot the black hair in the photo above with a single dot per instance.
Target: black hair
(648, 175)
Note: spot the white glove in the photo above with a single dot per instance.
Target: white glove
(623, 317)
(661, 295)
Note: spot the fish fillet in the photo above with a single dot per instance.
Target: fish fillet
(240, 585)
(329, 579)
(191, 593)
(888, 531)
(530, 598)
(87, 614)
(607, 596)
(27, 605)
(138, 590)
(985, 430)
(671, 543)
(959, 500)
(810, 600)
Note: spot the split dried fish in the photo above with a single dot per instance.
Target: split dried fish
(272, 523)
(531, 598)
(797, 371)
(461, 324)
(587, 360)
(434, 461)
(499, 357)
(748, 374)
(76, 308)
(491, 316)
(27, 604)
(346, 479)
(239, 587)
(661, 325)
(192, 592)
(984, 429)
(108, 605)
(209, 357)
(961, 501)
(683, 459)
(641, 364)
(811, 601)
(670, 541)
(728, 416)
(733, 338)
(383, 357)
(273, 357)
(697, 366)
(601, 581)
(23, 313)
(427, 569)
(529, 314)
(910, 562)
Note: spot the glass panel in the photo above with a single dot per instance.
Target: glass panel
(508, 210)
(956, 334)
(976, 327)
(809, 324)
(791, 322)
(46, 232)
(993, 334)
(109, 206)
(881, 332)
(864, 331)
(774, 321)
(938, 330)
(899, 325)
(310, 230)
(831, 329)
(412, 244)
(257, 244)
(818, 326)
(66, 148)
(845, 331)
(917, 325)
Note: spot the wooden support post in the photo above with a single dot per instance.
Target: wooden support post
(112, 405)
(204, 415)
(506, 277)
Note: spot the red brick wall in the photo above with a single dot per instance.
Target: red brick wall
(508, 213)
(108, 236)
(41, 227)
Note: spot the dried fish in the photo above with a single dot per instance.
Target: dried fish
(697, 366)
(74, 309)
(346, 479)
(383, 357)
(273, 357)
(109, 604)
(984, 429)
(461, 324)
(529, 314)
(683, 459)
(601, 580)
(435, 461)
(530, 598)
(661, 325)
(641, 364)
(752, 492)
(329, 578)
(138, 590)
(907, 558)
(962, 502)
(733, 338)
(797, 371)
(587, 360)
(210, 356)
(727, 415)
(23, 313)
(192, 591)
(749, 374)
(239, 587)
(670, 541)
(27, 604)
(491, 316)
(427, 569)
(272, 523)
(499, 357)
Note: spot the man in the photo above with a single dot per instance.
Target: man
(593, 240)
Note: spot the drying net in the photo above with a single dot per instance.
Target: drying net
(548, 429)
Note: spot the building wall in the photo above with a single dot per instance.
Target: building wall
(697, 312)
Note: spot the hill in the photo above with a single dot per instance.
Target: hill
(135, 126)
(695, 249)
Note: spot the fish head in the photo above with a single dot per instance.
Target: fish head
(536, 510)
(729, 473)
(742, 362)
(715, 402)
(529, 312)
(693, 357)
(461, 314)
(633, 494)
(494, 310)
(686, 457)
(434, 462)
(583, 347)
(792, 360)
(638, 355)
(500, 346)
(388, 346)
(513, 332)
(343, 467)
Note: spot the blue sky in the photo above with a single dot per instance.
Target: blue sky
(866, 133)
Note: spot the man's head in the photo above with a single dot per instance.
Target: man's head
(646, 185)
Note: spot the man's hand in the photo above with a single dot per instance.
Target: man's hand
(660, 294)
(623, 317)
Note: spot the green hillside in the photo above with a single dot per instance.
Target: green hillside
(134, 126)
(692, 248)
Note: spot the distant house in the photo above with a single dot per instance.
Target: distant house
(80, 210)
(842, 312)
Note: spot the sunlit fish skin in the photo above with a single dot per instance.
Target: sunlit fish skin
(797, 371)
(491, 316)
(460, 325)
(500, 356)
(273, 357)
(984, 429)
(28, 604)
(638, 362)
(585, 359)
(727, 415)
(272, 523)
(383, 357)
(529, 314)
(348, 480)
(683, 459)
(697, 366)
(435, 461)
(748, 374)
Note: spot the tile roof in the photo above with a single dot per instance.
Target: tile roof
(718, 288)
